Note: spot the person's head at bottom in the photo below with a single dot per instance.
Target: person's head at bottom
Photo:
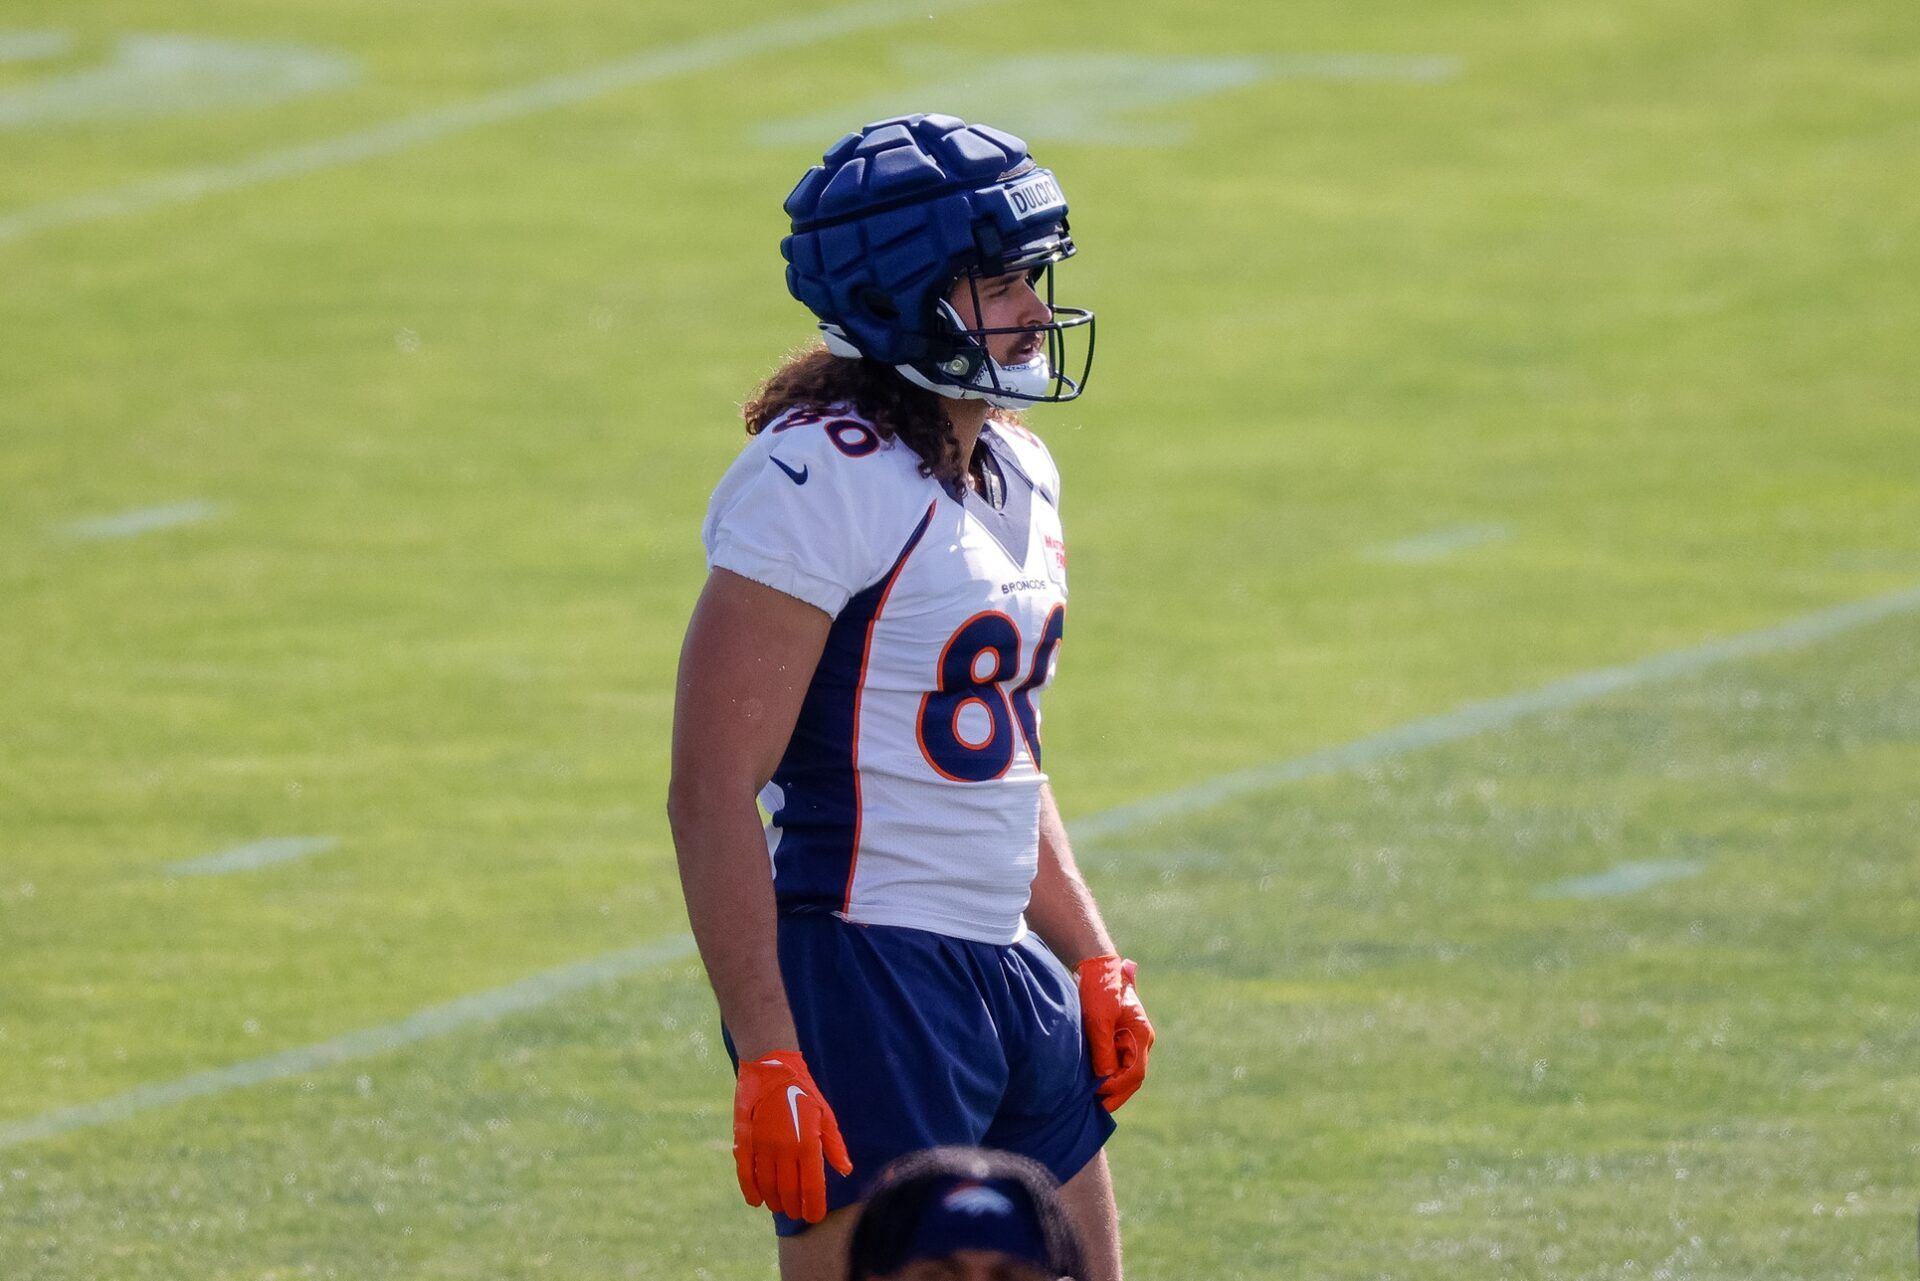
(963, 1214)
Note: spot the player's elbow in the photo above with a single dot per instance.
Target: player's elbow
(681, 807)
(696, 797)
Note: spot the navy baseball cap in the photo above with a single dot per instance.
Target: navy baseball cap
(974, 1214)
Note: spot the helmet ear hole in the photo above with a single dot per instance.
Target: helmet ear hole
(879, 305)
(963, 364)
(953, 352)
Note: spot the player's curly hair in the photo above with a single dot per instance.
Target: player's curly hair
(818, 379)
(902, 1192)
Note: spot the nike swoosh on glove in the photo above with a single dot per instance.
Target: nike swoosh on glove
(1118, 1033)
(782, 1128)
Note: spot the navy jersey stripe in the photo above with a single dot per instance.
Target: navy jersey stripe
(819, 774)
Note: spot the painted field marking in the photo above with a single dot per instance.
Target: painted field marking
(1085, 97)
(141, 520)
(161, 75)
(1498, 713)
(436, 1020)
(254, 854)
(1439, 544)
(1626, 878)
(412, 131)
(539, 989)
(31, 46)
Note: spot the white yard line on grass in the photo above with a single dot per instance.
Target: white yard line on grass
(459, 117)
(1439, 544)
(1497, 713)
(158, 75)
(30, 46)
(254, 854)
(1086, 97)
(1626, 878)
(141, 520)
(540, 989)
(436, 1020)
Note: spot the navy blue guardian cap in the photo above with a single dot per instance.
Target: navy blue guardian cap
(896, 214)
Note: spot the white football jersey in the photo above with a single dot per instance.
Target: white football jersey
(909, 793)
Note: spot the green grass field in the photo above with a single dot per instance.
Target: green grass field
(1541, 340)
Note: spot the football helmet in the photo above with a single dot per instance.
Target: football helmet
(896, 214)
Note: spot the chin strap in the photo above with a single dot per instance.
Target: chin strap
(1035, 372)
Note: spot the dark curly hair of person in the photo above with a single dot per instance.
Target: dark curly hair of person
(902, 1192)
(818, 379)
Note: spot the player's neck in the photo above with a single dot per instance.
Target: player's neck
(969, 419)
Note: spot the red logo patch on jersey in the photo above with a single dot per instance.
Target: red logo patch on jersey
(1058, 552)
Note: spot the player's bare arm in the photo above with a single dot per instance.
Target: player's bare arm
(1062, 910)
(744, 667)
(1064, 913)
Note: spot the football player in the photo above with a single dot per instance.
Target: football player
(906, 955)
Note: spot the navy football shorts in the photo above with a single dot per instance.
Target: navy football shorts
(919, 1039)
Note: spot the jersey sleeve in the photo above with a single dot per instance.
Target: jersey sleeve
(797, 514)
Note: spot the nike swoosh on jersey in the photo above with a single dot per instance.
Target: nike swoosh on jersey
(797, 477)
(794, 1095)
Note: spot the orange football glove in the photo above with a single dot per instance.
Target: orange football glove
(782, 1127)
(1117, 1029)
